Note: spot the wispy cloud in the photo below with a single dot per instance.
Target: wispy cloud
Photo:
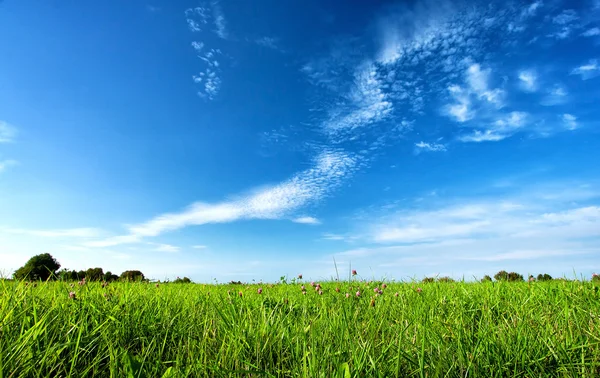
(528, 80)
(565, 17)
(306, 220)
(557, 95)
(591, 32)
(268, 42)
(220, 22)
(169, 248)
(478, 79)
(275, 202)
(508, 228)
(366, 103)
(460, 110)
(211, 83)
(587, 71)
(199, 246)
(502, 128)
(570, 121)
(7, 132)
(435, 147)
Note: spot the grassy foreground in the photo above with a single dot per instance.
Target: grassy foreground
(425, 330)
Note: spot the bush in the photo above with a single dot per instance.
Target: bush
(510, 277)
(486, 278)
(428, 280)
(445, 279)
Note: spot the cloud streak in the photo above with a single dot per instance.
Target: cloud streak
(275, 202)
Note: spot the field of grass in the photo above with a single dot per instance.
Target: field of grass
(194, 330)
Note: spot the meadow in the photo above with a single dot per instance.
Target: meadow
(336, 329)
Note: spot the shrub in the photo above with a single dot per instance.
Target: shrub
(428, 280)
(544, 277)
(486, 278)
(445, 279)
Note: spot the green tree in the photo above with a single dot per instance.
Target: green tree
(94, 274)
(501, 276)
(544, 277)
(109, 277)
(39, 267)
(132, 275)
(486, 278)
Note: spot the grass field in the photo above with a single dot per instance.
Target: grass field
(410, 329)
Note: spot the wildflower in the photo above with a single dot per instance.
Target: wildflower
(354, 272)
(376, 290)
(299, 276)
(157, 285)
(358, 293)
(377, 294)
(372, 302)
(419, 290)
(303, 288)
(320, 292)
(337, 289)
(259, 290)
(312, 283)
(241, 294)
(72, 295)
(304, 293)
(347, 295)
(383, 286)
(395, 295)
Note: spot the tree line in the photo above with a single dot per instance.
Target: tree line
(44, 267)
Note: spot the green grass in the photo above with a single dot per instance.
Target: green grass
(446, 330)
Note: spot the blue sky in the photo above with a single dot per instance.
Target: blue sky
(251, 140)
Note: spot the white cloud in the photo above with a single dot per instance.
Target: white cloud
(306, 220)
(482, 136)
(268, 42)
(478, 80)
(198, 46)
(591, 32)
(211, 83)
(556, 96)
(566, 17)
(7, 132)
(275, 202)
(502, 128)
(422, 146)
(528, 80)
(461, 110)
(368, 103)
(531, 10)
(570, 121)
(57, 233)
(159, 247)
(587, 71)
(329, 236)
(495, 229)
(199, 246)
(220, 22)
